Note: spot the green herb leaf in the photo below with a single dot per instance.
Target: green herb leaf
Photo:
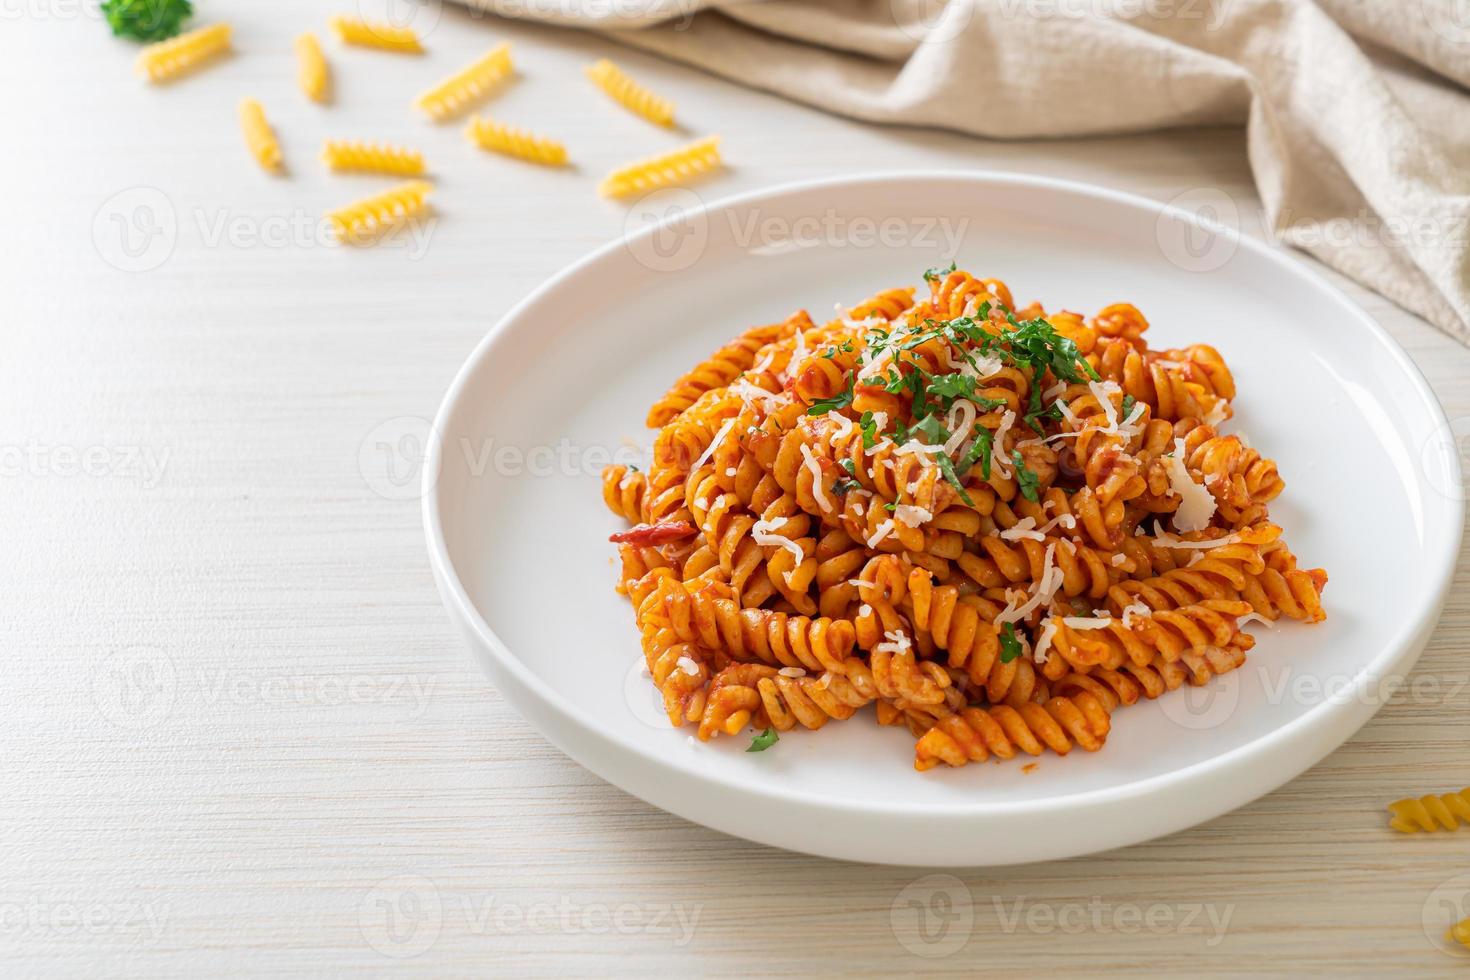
(146, 20)
(838, 401)
(929, 430)
(844, 484)
(946, 466)
(979, 451)
(1128, 404)
(936, 273)
(1010, 646)
(764, 740)
(847, 464)
(869, 429)
(1029, 481)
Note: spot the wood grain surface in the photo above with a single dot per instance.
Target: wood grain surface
(238, 734)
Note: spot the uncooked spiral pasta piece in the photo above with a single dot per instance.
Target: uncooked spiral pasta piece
(312, 74)
(180, 55)
(611, 79)
(260, 139)
(357, 156)
(655, 172)
(361, 221)
(371, 34)
(1431, 813)
(500, 138)
(468, 85)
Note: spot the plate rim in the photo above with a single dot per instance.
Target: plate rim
(1415, 628)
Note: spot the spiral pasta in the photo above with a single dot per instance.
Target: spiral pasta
(312, 74)
(370, 217)
(500, 138)
(996, 525)
(373, 158)
(468, 85)
(178, 56)
(688, 161)
(632, 96)
(371, 34)
(1431, 813)
(260, 139)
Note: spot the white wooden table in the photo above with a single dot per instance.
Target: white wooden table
(238, 734)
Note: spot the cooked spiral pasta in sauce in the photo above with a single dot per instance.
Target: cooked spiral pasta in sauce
(996, 524)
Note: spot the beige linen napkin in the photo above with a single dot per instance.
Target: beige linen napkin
(1356, 112)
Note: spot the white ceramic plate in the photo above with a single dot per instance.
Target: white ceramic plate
(518, 535)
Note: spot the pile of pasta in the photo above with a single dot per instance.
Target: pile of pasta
(995, 524)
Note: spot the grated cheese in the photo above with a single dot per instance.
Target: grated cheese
(1043, 590)
(1134, 609)
(1043, 641)
(883, 531)
(1087, 622)
(816, 471)
(912, 516)
(763, 533)
(1024, 528)
(714, 444)
(894, 642)
(688, 666)
(999, 462)
(1197, 505)
(1253, 617)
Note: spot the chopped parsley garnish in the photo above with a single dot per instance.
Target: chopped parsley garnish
(831, 352)
(146, 20)
(838, 401)
(1028, 480)
(1128, 403)
(1010, 646)
(934, 274)
(764, 740)
(845, 483)
(946, 466)
(979, 451)
(869, 429)
(847, 464)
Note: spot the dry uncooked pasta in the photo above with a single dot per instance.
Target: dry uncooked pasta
(468, 85)
(686, 162)
(634, 97)
(356, 156)
(260, 139)
(368, 219)
(369, 34)
(313, 75)
(180, 55)
(996, 524)
(499, 138)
